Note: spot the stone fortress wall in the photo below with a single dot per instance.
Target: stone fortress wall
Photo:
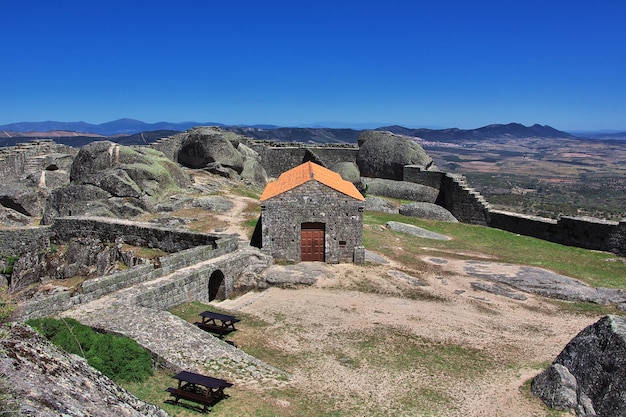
(278, 159)
(466, 204)
(195, 257)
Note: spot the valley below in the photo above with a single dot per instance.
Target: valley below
(548, 177)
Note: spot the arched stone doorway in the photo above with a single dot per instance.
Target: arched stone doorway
(216, 285)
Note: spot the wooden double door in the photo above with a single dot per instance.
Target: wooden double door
(312, 242)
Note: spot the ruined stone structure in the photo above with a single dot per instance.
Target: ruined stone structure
(19, 161)
(311, 214)
(202, 266)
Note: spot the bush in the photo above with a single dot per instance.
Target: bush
(117, 357)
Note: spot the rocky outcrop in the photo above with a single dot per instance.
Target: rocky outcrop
(427, 211)
(42, 380)
(381, 205)
(205, 145)
(220, 152)
(384, 155)
(588, 375)
(414, 230)
(349, 171)
(84, 256)
(400, 189)
(115, 181)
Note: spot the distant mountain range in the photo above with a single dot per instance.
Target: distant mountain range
(117, 127)
(133, 132)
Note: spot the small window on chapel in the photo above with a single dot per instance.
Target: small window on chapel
(342, 243)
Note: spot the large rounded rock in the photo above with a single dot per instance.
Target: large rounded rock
(206, 145)
(252, 171)
(400, 189)
(151, 172)
(384, 155)
(380, 205)
(113, 180)
(588, 375)
(427, 211)
(349, 171)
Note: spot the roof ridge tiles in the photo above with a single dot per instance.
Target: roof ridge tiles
(306, 172)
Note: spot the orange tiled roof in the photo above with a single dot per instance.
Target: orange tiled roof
(306, 172)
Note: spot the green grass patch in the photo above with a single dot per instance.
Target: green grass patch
(240, 401)
(587, 309)
(397, 350)
(598, 269)
(118, 357)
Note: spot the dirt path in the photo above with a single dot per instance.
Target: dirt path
(235, 216)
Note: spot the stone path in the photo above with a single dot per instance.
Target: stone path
(179, 345)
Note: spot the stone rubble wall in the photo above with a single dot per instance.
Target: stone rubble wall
(98, 287)
(189, 249)
(192, 284)
(21, 240)
(133, 233)
(278, 159)
(16, 160)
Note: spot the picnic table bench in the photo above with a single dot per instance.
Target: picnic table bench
(201, 389)
(218, 323)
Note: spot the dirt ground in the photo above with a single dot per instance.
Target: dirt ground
(350, 304)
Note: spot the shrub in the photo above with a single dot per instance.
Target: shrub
(7, 305)
(9, 262)
(117, 357)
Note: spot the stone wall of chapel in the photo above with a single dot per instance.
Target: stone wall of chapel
(312, 202)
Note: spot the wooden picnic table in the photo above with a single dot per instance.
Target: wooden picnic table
(213, 322)
(198, 388)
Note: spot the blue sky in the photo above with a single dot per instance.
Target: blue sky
(442, 63)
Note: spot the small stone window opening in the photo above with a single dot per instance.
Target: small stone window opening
(342, 243)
